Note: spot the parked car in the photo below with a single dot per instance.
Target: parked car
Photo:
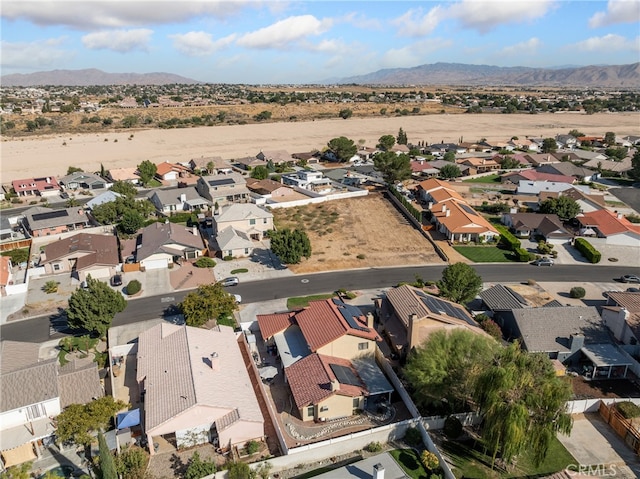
(130, 259)
(630, 278)
(238, 298)
(230, 281)
(543, 262)
(633, 290)
(116, 280)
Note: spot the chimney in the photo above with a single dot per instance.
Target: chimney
(378, 471)
(430, 204)
(48, 179)
(215, 361)
(619, 216)
(195, 230)
(335, 385)
(576, 341)
(369, 320)
(183, 198)
(444, 208)
(448, 213)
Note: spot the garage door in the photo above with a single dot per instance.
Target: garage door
(155, 264)
(100, 273)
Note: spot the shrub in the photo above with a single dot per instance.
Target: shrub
(544, 248)
(577, 292)
(228, 258)
(628, 409)
(204, 262)
(452, 427)
(522, 255)
(413, 437)
(133, 287)
(510, 241)
(50, 287)
(251, 447)
(492, 329)
(361, 256)
(239, 270)
(587, 250)
(373, 447)
(429, 460)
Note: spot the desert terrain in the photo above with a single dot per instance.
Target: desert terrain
(52, 154)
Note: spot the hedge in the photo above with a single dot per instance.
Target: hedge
(133, 287)
(407, 204)
(510, 241)
(628, 409)
(587, 250)
(522, 255)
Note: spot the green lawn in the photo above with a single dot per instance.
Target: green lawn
(485, 254)
(494, 178)
(410, 463)
(303, 301)
(472, 463)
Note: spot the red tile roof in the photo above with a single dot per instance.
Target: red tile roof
(608, 223)
(271, 324)
(35, 184)
(537, 176)
(5, 261)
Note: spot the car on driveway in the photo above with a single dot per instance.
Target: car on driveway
(230, 281)
(543, 262)
(630, 278)
(116, 280)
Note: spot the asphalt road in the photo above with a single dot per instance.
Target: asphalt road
(37, 329)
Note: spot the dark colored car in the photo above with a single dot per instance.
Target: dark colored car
(630, 278)
(116, 280)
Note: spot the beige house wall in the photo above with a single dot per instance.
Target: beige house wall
(241, 432)
(244, 225)
(337, 406)
(196, 416)
(346, 347)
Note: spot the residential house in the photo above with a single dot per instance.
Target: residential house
(532, 187)
(567, 168)
(6, 273)
(400, 149)
(104, 197)
(130, 175)
(421, 167)
(539, 159)
(309, 180)
(603, 223)
(632, 139)
(595, 141)
(173, 200)
(532, 175)
(46, 187)
(622, 316)
(277, 157)
(327, 351)
(587, 202)
(82, 254)
(588, 155)
(171, 172)
(499, 298)
(209, 165)
(478, 165)
(311, 157)
(524, 144)
(367, 153)
(409, 315)
(85, 181)
(567, 141)
(161, 244)
(439, 149)
(223, 189)
(526, 225)
(249, 162)
(434, 191)
(41, 221)
(269, 188)
(238, 227)
(33, 393)
(621, 167)
(459, 222)
(196, 387)
(6, 229)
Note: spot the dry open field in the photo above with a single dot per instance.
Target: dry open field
(46, 155)
(369, 227)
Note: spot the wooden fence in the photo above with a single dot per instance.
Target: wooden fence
(623, 427)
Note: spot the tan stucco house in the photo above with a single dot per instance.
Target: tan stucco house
(238, 228)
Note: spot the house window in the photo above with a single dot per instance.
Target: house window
(310, 411)
(246, 251)
(264, 221)
(362, 346)
(324, 408)
(35, 411)
(56, 267)
(356, 402)
(252, 221)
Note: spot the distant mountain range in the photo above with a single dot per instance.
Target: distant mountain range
(616, 76)
(92, 76)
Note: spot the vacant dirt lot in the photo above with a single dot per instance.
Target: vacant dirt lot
(356, 233)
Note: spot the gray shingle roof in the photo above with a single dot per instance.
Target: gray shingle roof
(232, 239)
(79, 382)
(171, 196)
(30, 385)
(502, 298)
(40, 217)
(157, 235)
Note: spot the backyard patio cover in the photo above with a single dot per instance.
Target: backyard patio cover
(603, 355)
(128, 419)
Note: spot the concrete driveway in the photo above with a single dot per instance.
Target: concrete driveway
(593, 443)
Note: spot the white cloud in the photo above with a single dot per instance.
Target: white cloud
(89, 15)
(414, 54)
(359, 20)
(529, 47)
(608, 43)
(118, 40)
(618, 11)
(486, 15)
(415, 23)
(33, 55)
(281, 34)
(196, 44)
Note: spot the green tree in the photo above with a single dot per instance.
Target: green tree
(522, 403)
(71, 202)
(450, 171)
(130, 222)
(105, 213)
(124, 188)
(22, 471)
(132, 462)
(260, 172)
(460, 283)
(635, 166)
(386, 142)
(209, 301)
(401, 139)
(73, 169)
(129, 121)
(610, 138)
(290, 246)
(345, 113)
(240, 470)
(549, 145)
(147, 170)
(565, 207)
(93, 308)
(508, 162)
(394, 168)
(78, 421)
(263, 115)
(107, 464)
(576, 133)
(449, 156)
(446, 366)
(197, 468)
(344, 148)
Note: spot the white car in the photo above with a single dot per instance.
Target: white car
(238, 298)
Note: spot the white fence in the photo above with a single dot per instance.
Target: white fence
(317, 199)
(592, 405)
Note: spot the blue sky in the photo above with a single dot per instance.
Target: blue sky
(254, 41)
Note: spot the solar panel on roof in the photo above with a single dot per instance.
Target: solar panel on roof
(350, 313)
(516, 295)
(345, 375)
(50, 214)
(221, 182)
(437, 305)
(468, 209)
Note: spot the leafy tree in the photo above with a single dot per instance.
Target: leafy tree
(105, 213)
(147, 170)
(617, 153)
(446, 365)
(450, 171)
(209, 301)
(107, 464)
(522, 403)
(260, 172)
(93, 308)
(21, 471)
(386, 142)
(204, 262)
(239, 470)
(71, 202)
(576, 133)
(549, 145)
(449, 156)
(610, 138)
(263, 115)
(565, 207)
(344, 148)
(345, 113)
(492, 329)
(124, 188)
(429, 460)
(132, 462)
(78, 421)
(460, 283)
(73, 169)
(130, 222)
(508, 162)
(635, 166)
(393, 167)
(290, 246)
(401, 139)
(197, 468)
